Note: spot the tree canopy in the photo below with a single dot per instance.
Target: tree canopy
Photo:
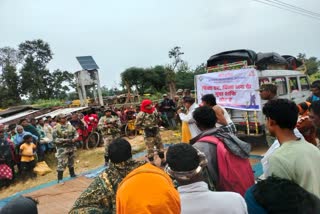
(33, 81)
(312, 63)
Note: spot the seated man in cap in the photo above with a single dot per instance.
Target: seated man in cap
(187, 165)
(100, 196)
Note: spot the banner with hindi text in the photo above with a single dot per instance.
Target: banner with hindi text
(234, 89)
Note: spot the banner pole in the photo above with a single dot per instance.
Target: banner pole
(247, 123)
(256, 122)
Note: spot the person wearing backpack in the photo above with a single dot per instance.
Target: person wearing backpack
(228, 156)
(187, 165)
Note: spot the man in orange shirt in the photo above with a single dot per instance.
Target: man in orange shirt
(27, 152)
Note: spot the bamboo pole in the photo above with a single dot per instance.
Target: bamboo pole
(247, 123)
(256, 122)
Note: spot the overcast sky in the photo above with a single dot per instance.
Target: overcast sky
(120, 34)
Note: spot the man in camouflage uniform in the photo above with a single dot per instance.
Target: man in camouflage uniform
(100, 196)
(178, 100)
(148, 119)
(65, 136)
(109, 125)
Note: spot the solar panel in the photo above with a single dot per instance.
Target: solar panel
(87, 63)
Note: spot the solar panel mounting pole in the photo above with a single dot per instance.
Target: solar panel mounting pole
(99, 90)
(90, 77)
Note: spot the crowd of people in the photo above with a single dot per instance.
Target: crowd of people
(27, 142)
(210, 171)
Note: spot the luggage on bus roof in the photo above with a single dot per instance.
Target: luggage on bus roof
(232, 56)
(293, 62)
(272, 58)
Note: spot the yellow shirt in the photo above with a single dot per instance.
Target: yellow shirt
(27, 149)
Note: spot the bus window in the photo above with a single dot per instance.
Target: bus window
(293, 84)
(281, 84)
(304, 84)
(263, 81)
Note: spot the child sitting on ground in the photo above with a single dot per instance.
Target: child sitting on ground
(27, 152)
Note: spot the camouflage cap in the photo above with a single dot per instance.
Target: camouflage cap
(62, 116)
(165, 95)
(107, 109)
(180, 90)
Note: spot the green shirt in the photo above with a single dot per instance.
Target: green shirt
(297, 161)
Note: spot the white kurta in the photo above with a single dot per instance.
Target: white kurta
(194, 130)
(197, 198)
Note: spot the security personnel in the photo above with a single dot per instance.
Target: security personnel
(65, 136)
(148, 119)
(109, 125)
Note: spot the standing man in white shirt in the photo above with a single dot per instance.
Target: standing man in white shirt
(186, 165)
(189, 103)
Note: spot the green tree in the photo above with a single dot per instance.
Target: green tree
(144, 79)
(10, 85)
(312, 64)
(73, 95)
(35, 78)
(135, 77)
(35, 81)
(9, 56)
(157, 78)
(200, 69)
(185, 79)
(38, 50)
(184, 76)
(175, 54)
(60, 82)
(108, 91)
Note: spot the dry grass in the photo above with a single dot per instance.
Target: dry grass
(85, 160)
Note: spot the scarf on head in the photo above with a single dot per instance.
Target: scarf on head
(145, 103)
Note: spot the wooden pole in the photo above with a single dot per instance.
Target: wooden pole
(247, 123)
(256, 122)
